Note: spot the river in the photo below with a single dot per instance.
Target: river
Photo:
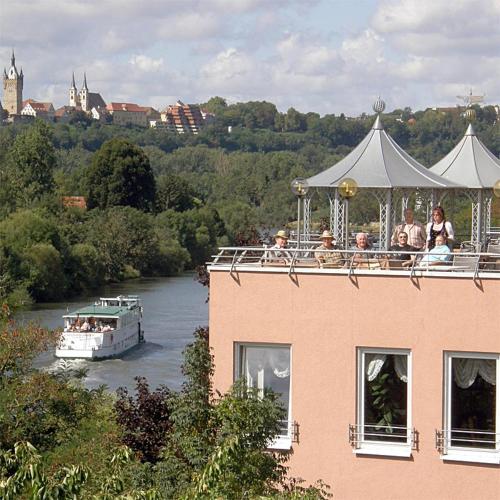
(173, 308)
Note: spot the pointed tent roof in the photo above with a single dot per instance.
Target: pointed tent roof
(469, 163)
(378, 162)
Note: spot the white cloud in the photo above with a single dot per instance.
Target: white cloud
(147, 64)
(417, 53)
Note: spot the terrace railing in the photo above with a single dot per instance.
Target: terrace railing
(475, 265)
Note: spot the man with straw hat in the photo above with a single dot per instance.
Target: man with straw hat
(281, 239)
(323, 252)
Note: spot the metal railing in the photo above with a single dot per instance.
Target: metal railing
(471, 439)
(289, 429)
(486, 264)
(360, 434)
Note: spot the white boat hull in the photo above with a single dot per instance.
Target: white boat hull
(98, 345)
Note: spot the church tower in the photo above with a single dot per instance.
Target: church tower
(84, 94)
(13, 88)
(73, 93)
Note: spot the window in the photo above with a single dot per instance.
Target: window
(384, 403)
(268, 367)
(472, 408)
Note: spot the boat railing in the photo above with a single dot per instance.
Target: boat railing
(459, 263)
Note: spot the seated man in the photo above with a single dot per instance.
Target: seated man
(278, 250)
(361, 258)
(404, 256)
(440, 254)
(324, 257)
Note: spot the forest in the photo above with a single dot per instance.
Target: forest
(160, 203)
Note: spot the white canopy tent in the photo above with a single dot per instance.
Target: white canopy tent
(379, 166)
(471, 163)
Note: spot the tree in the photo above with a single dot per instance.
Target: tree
(30, 166)
(120, 174)
(215, 105)
(145, 420)
(174, 192)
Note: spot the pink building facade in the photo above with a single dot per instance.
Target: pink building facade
(390, 381)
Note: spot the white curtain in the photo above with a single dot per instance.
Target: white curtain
(374, 363)
(279, 361)
(465, 371)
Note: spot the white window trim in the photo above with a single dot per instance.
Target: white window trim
(385, 449)
(461, 453)
(280, 442)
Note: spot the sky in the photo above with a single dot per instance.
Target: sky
(326, 56)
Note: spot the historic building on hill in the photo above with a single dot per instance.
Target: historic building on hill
(13, 88)
(84, 99)
(44, 110)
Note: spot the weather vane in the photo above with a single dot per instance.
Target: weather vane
(379, 105)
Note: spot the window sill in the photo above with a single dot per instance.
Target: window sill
(480, 457)
(387, 450)
(281, 443)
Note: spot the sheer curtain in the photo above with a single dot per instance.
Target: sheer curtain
(465, 371)
(375, 362)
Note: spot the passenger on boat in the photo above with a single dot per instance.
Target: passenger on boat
(326, 258)
(106, 328)
(439, 226)
(86, 326)
(440, 254)
(281, 242)
(414, 230)
(405, 250)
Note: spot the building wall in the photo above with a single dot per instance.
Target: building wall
(325, 318)
(12, 95)
(132, 117)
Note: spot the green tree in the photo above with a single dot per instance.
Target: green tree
(120, 174)
(29, 168)
(174, 192)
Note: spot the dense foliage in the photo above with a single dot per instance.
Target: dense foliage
(161, 203)
(60, 440)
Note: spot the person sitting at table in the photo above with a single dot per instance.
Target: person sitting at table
(440, 254)
(279, 248)
(404, 251)
(439, 226)
(323, 255)
(360, 256)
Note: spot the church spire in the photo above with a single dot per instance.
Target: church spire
(13, 59)
(73, 84)
(85, 81)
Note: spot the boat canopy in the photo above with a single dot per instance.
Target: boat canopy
(99, 312)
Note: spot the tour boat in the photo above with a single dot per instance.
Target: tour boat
(105, 329)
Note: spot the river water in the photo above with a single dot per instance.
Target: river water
(173, 308)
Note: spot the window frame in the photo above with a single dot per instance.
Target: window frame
(463, 453)
(281, 442)
(362, 446)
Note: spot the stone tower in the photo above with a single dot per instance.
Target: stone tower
(13, 88)
(73, 94)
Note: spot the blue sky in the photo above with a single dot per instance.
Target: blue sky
(328, 56)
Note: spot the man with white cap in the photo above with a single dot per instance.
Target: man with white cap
(324, 254)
